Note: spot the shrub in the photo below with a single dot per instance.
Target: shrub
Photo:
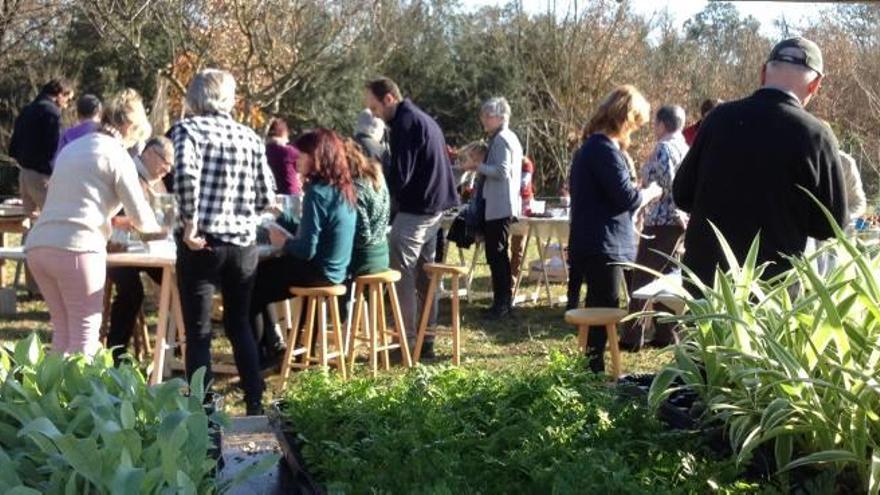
(790, 363)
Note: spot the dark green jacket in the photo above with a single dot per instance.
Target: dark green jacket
(326, 231)
(370, 254)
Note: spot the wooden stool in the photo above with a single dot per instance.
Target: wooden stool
(438, 270)
(584, 318)
(315, 300)
(376, 332)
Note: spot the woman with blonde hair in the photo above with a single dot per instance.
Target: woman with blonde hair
(93, 178)
(603, 202)
(370, 253)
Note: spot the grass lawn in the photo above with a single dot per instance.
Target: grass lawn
(534, 331)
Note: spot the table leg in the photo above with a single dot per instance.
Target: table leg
(545, 277)
(162, 326)
(473, 269)
(2, 262)
(523, 264)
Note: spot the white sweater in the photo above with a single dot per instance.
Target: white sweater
(93, 178)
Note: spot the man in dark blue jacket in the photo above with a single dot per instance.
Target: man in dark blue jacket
(421, 183)
(34, 141)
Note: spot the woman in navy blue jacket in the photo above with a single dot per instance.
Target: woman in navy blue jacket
(603, 201)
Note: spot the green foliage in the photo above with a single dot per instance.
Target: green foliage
(791, 363)
(74, 425)
(555, 429)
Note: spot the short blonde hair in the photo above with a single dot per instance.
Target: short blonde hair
(126, 110)
(211, 91)
(624, 110)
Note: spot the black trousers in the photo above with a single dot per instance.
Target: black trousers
(658, 239)
(497, 242)
(276, 276)
(604, 282)
(274, 279)
(231, 268)
(128, 300)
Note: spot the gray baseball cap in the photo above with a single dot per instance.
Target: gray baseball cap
(798, 51)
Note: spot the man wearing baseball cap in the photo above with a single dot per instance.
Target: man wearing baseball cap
(743, 171)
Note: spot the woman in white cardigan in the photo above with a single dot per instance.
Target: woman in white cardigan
(93, 178)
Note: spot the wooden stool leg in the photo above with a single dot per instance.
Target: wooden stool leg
(145, 333)
(322, 333)
(337, 332)
(615, 350)
(456, 329)
(382, 326)
(398, 325)
(426, 311)
(310, 356)
(583, 331)
(356, 318)
(292, 341)
(373, 308)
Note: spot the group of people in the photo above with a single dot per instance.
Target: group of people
(375, 201)
(224, 176)
(750, 171)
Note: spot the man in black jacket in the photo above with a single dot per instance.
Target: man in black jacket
(420, 180)
(34, 141)
(748, 164)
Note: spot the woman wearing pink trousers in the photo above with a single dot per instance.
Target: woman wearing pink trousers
(93, 178)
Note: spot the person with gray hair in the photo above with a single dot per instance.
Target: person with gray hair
(222, 183)
(752, 166)
(152, 165)
(369, 134)
(663, 224)
(498, 197)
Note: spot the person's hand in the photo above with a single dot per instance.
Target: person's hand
(652, 192)
(277, 236)
(121, 223)
(193, 241)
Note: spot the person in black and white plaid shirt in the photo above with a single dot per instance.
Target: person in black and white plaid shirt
(222, 183)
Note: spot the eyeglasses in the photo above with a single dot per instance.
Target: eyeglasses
(165, 162)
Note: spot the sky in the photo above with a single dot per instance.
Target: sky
(681, 10)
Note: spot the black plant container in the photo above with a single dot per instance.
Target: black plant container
(303, 481)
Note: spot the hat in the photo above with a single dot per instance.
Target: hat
(798, 51)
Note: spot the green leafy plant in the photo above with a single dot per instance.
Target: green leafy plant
(790, 363)
(79, 425)
(553, 429)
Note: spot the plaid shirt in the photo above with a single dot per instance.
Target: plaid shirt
(222, 179)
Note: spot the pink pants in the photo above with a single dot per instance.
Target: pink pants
(72, 284)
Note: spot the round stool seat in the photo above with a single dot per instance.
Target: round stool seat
(327, 291)
(385, 277)
(446, 269)
(595, 316)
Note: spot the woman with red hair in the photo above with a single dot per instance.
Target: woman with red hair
(320, 252)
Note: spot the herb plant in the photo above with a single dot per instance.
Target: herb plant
(552, 429)
(73, 425)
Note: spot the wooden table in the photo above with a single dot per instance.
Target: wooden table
(543, 231)
(13, 220)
